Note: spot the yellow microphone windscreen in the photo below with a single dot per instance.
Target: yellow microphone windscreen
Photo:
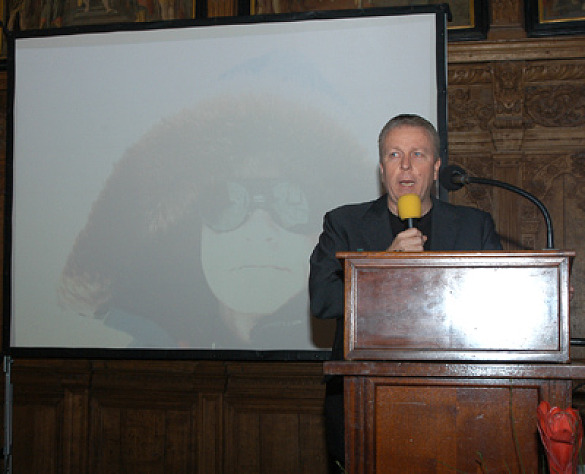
(409, 206)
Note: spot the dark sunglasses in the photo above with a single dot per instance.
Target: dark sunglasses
(230, 205)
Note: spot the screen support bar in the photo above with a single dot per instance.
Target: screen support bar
(7, 451)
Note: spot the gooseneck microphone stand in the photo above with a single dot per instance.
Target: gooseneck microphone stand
(454, 177)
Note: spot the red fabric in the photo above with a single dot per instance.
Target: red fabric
(561, 432)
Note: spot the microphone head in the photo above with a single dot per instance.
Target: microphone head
(409, 207)
(452, 177)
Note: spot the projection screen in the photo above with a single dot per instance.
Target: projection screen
(168, 183)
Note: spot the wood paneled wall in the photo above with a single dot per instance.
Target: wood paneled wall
(73, 416)
(516, 113)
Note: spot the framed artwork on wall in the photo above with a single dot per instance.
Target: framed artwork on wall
(469, 18)
(23, 15)
(554, 17)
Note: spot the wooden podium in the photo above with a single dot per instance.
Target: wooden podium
(447, 356)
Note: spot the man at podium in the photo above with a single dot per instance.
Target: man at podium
(409, 154)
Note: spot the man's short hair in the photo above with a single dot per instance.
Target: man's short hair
(410, 120)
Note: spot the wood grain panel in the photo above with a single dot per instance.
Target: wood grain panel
(274, 419)
(462, 306)
(164, 418)
(37, 446)
(422, 417)
(168, 417)
(444, 427)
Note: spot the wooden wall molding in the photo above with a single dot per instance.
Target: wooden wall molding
(531, 49)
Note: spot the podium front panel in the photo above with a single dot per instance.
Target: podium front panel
(465, 306)
(421, 417)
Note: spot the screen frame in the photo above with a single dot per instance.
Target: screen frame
(441, 13)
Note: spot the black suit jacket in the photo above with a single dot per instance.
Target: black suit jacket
(366, 227)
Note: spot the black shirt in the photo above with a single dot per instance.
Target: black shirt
(423, 224)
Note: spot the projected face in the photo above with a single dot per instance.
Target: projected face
(254, 245)
(206, 226)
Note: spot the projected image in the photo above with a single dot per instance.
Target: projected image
(202, 234)
(169, 184)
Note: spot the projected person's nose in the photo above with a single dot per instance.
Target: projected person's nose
(260, 227)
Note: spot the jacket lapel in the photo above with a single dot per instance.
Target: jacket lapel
(445, 226)
(376, 232)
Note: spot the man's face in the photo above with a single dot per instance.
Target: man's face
(408, 165)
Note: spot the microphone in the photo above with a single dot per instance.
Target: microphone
(453, 177)
(409, 208)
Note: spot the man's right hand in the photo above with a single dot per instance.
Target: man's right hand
(410, 240)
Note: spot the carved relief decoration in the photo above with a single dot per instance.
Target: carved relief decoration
(470, 97)
(536, 173)
(469, 74)
(469, 110)
(508, 93)
(539, 174)
(577, 170)
(556, 105)
(554, 71)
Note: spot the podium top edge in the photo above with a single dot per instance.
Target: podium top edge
(458, 254)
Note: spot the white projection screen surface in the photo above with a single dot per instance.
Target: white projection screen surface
(168, 184)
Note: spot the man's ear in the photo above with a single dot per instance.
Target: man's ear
(436, 168)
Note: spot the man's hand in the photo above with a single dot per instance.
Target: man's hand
(410, 240)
